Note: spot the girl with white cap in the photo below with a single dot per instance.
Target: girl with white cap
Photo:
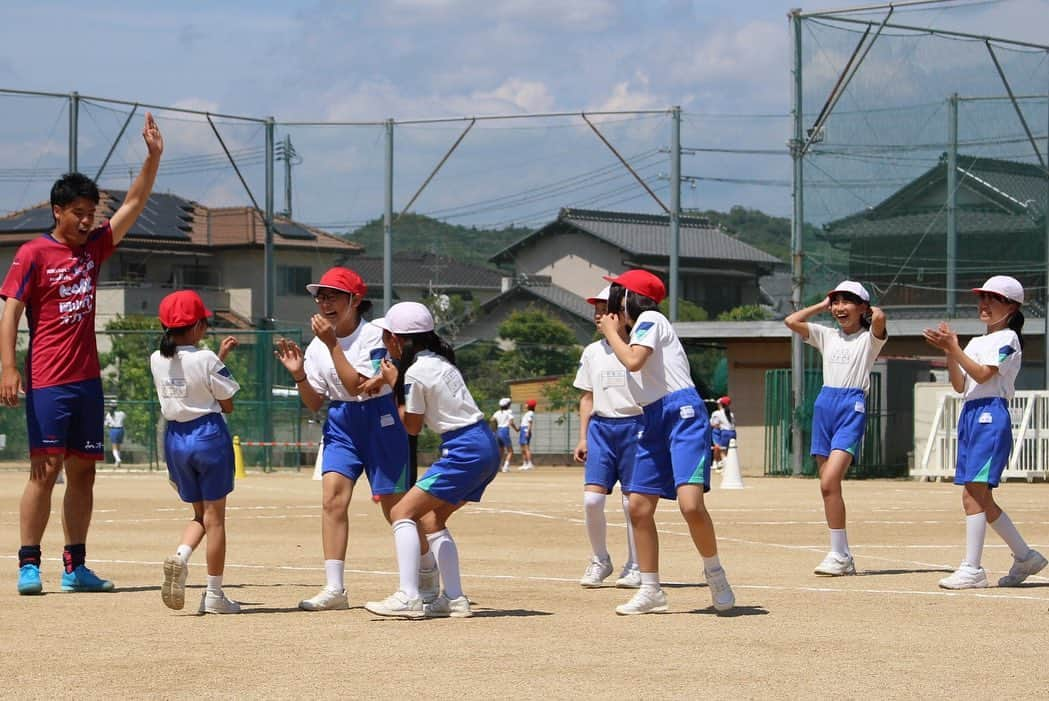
(609, 421)
(436, 395)
(673, 452)
(363, 433)
(504, 421)
(985, 372)
(839, 414)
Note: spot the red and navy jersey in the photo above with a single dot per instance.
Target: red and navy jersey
(57, 285)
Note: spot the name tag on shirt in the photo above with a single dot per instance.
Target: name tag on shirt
(173, 388)
(614, 378)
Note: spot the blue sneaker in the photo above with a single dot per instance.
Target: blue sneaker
(83, 579)
(29, 579)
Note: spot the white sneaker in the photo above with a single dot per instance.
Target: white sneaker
(596, 572)
(326, 600)
(629, 578)
(443, 607)
(429, 584)
(505, 467)
(173, 588)
(719, 466)
(217, 603)
(836, 565)
(720, 591)
(527, 466)
(1033, 563)
(644, 601)
(965, 577)
(397, 604)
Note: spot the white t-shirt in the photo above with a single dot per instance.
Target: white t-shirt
(526, 420)
(503, 417)
(365, 351)
(191, 383)
(666, 369)
(719, 419)
(115, 419)
(435, 388)
(847, 359)
(1000, 349)
(601, 372)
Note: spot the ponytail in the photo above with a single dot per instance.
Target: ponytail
(169, 340)
(728, 413)
(1016, 323)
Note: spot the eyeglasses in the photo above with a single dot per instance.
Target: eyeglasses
(328, 297)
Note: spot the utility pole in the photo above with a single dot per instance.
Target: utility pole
(286, 152)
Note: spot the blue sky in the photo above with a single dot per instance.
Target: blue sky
(726, 64)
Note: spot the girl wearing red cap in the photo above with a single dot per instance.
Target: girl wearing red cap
(363, 433)
(985, 372)
(524, 438)
(723, 429)
(195, 389)
(839, 414)
(673, 453)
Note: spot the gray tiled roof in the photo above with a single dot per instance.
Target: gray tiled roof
(968, 222)
(418, 269)
(642, 235)
(557, 296)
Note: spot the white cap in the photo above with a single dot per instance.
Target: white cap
(406, 318)
(601, 296)
(1008, 287)
(504, 402)
(853, 288)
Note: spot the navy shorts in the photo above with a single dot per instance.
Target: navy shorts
(985, 439)
(524, 437)
(839, 417)
(722, 436)
(199, 454)
(66, 419)
(469, 462)
(611, 449)
(116, 435)
(674, 446)
(368, 437)
(503, 437)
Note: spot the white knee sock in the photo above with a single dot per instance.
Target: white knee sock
(1004, 527)
(406, 539)
(596, 523)
(975, 530)
(839, 542)
(333, 573)
(116, 455)
(447, 554)
(631, 546)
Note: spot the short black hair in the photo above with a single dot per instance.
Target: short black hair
(634, 305)
(71, 186)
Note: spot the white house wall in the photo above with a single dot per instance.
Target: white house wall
(573, 261)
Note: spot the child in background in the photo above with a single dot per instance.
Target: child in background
(723, 429)
(609, 421)
(985, 372)
(114, 421)
(525, 437)
(673, 453)
(504, 421)
(839, 415)
(195, 388)
(435, 395)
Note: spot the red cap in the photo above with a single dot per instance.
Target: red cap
(530, 404)
(341, 279)
(643, 283)
(725, 400)
(182, 308)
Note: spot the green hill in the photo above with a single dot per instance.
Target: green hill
(415, 232)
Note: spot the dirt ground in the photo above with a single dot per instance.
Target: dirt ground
(887, 633)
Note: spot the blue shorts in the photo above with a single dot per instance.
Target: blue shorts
(674, 446)
(368, 437)
(722, 436)
(199, 454)
(524, 437)
(839, 418)
(985, 439)
(502, 435)
(66, 419)
(469, 461)
(116, 435)
(611, 449)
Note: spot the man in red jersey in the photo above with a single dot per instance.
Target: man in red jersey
(53, 279)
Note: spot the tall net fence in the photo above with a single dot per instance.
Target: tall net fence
(926, 172)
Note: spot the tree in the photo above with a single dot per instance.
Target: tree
(747, 312)
(686, 311)
(542, 345)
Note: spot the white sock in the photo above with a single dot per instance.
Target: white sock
(116, 455)
(333, 572)
(975, 530)
(596, 523)
(1004, 527)
(650, 580)
(427, 561)
(711, 563)
(839, 542)
(183, 552)
(406, 540)
(631, 546)
(447, 554)
(215, 584)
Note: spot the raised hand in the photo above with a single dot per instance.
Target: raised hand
(228, 344)
(152, 136)
(290, 356)
(323, 329)
(389, 371)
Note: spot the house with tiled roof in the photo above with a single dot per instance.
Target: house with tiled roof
(899, 247)
(716, 271)
(219, 252)
(418, 275)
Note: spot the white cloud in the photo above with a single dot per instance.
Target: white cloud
(573, 15)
